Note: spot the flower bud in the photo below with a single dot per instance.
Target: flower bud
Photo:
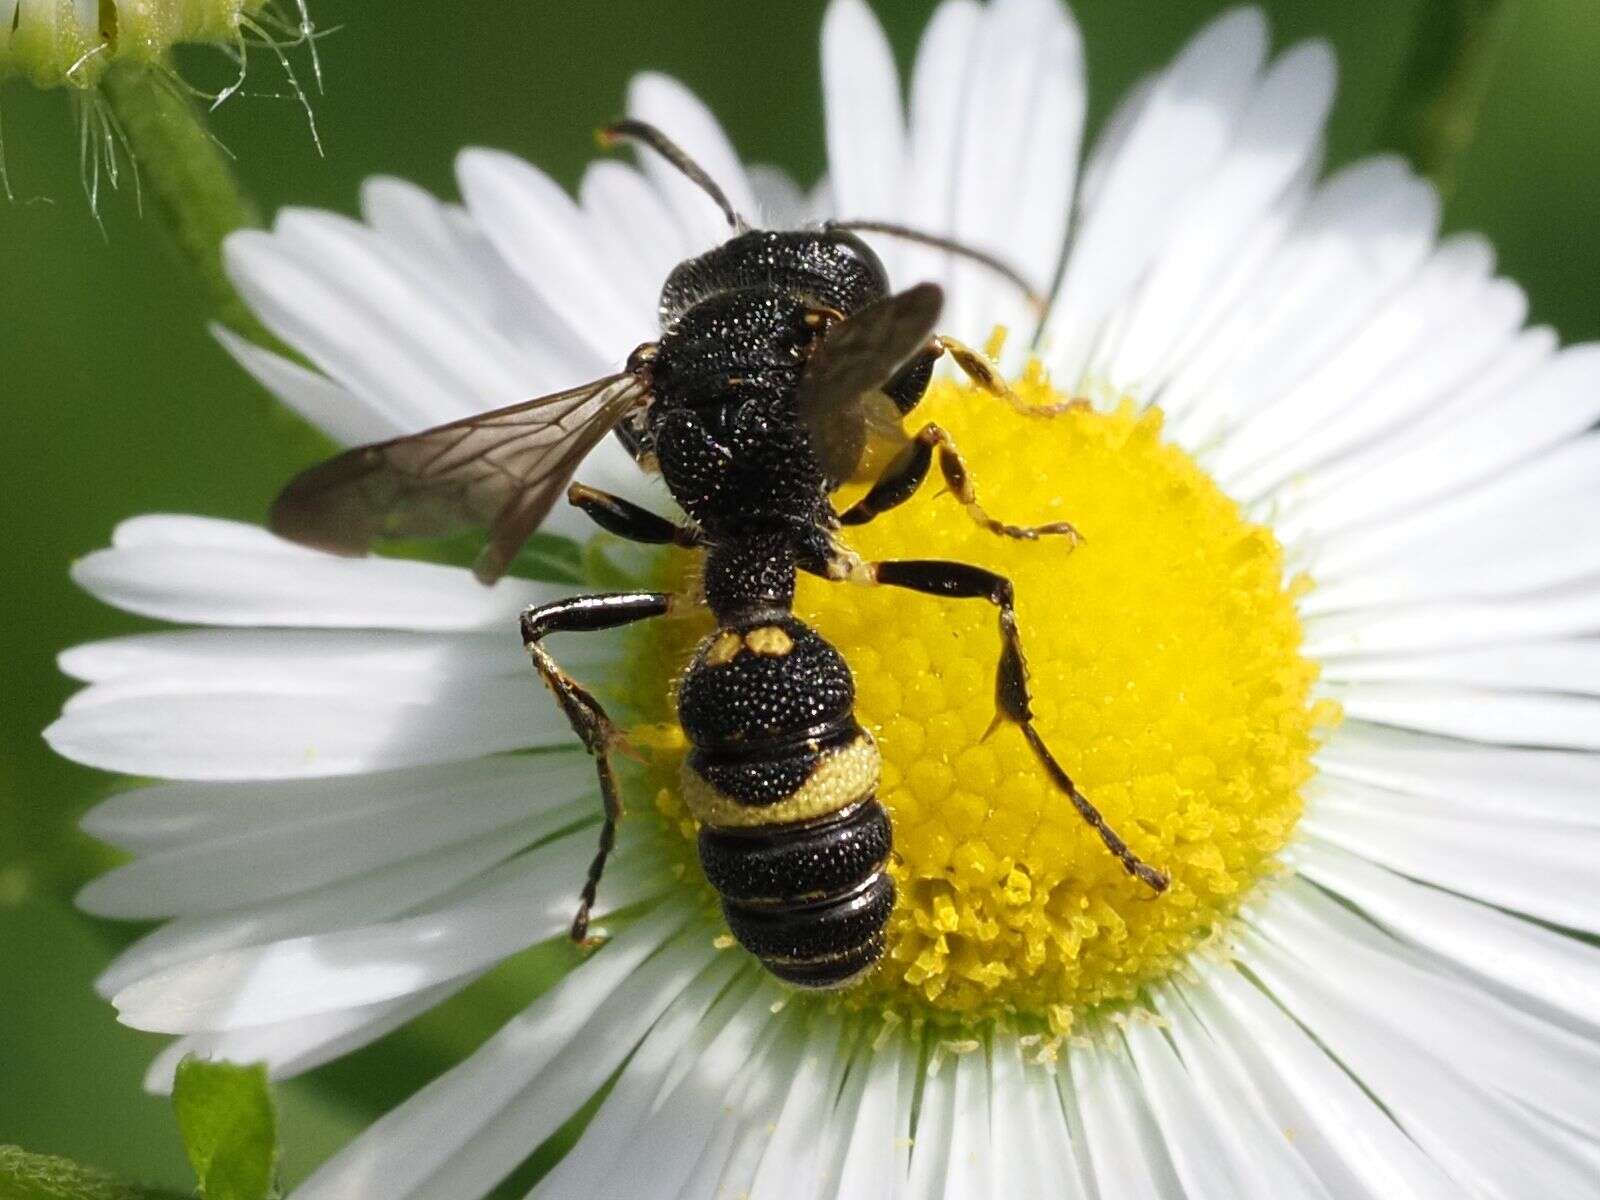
(72, 42)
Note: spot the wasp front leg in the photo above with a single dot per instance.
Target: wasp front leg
(627, 520)
(983, 374)
(587, 614)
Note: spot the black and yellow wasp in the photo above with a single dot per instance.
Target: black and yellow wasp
(782, 355)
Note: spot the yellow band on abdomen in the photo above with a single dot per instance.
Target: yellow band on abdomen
(841, 778)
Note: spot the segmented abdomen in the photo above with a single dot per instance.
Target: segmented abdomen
(783, 781)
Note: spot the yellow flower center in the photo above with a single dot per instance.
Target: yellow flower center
(1166, 676)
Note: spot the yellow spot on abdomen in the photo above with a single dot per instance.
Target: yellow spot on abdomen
(1164, 657)
(769, 641)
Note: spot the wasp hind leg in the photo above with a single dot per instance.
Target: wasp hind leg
(906, 471)
(963, 581)
(588, 614)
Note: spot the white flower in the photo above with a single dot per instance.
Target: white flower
(1412, 1010)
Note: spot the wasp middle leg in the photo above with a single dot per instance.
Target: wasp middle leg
(588, 614)
(906, 471)
(963, 581)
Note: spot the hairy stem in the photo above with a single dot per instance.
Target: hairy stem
(193, 184)
(1447, 76)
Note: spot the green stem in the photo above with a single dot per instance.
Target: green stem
(200, 200)
(194, 185)
(1453, 56)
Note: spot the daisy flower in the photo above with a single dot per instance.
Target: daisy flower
(1325, 656)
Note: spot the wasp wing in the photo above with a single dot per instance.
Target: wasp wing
(856, 358)
(503, 469)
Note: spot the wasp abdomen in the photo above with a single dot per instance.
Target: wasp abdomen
(784, 781)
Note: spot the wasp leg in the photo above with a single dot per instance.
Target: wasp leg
(587, 614)
(627, 520)
(962, 581)
(981, 371)
(907, 470)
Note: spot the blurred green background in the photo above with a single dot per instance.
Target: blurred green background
(117, 402)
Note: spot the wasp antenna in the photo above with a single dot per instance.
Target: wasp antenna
(983, 257)
(649, 135)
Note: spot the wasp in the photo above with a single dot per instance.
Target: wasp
(783, 355)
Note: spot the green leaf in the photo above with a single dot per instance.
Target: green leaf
(229, 1128)
(549, 558)
(25, 1176)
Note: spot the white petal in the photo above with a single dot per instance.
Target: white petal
(177, 814)
(873, 1164)
(227, 573)
(1278, 138)
(1351, 1143)
(844, 1114)
(1490, 1146)
(1033, 1155)
(865, 124)
(1527, 406)
(677, 112)
(542, 233)
(1441, 625)
(335, 410)
(285, 656)
(1496, 1046)
(1022, 124)
(940, 82)
(473, 367)
(935, 1130)
(1561, 478)
(1494, 780)
(1452, 556)
(251, 865)
(360, 900)
(1202, 1156)
(297, 1046)
(780, 201)
(1125, 1149)
(153, 530)
(742, 1131)
(1433, 336)
(1481, 714)
(1546, 871)
(1254, 1141)
(704, 1090)
(971, 1167)
(619, 989)
(791, 1166)
(1565, 666)
(1519, 958)
(1364, 231)
(442, 245)
(586, 1060)
(233, 732)
(518, 905)
(1182, 127)
(686, 1026)
(319, 283)
(635, 228)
